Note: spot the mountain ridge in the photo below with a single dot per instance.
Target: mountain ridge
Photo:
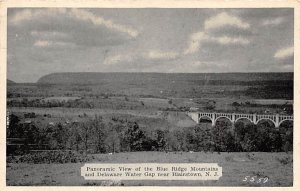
(101, 77)
(8, 81)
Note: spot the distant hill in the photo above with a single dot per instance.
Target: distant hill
(166, 78)
(10, 82)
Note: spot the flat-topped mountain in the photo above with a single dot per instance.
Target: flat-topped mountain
(154, 78)
(10, 82)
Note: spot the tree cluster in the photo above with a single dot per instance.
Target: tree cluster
(97, 135)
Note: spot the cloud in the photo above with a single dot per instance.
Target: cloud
(54, 39)
(117, 59)
(37, 38)
(144, 56)
(200, 64)
(54, 44)
(199, 38)
(154, 54)
(195, 42)
(48, 34)
(272, 22)
(78, 14)
(229, 40)
(42, 43)
(30, 14)
(84, 15)
(225, 19)
(284, 53)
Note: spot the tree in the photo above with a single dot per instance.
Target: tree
(85, 133)
(210, 105)
(112, 141)
(61, 135)
(98, 127)
(239, 131)
(236, 106)
(180, 136)
(203, 139)
(14, 126)
(160, 140)
(223, 137)
(286, 134)
(248, 138)
(267, 137)
(135, 137)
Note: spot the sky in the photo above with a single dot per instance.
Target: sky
(44, 41)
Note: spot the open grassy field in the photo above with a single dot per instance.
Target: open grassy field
(276, 166)
(148, 119)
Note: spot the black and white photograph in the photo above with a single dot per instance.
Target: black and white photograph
(150, 86)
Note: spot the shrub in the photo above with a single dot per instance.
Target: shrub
(285, 160)
(50, 157)
(235, 104)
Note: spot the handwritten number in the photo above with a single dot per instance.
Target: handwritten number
(246, 178)
(265, 180)
(259, 180)
(252, 179)
(255, 178)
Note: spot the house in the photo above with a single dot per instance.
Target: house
(194, 109)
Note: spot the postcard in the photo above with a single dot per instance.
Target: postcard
(159, 94)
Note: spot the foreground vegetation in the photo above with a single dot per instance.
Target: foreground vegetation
(96, 135)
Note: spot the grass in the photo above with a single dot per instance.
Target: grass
(151, 119)
(235, 167)
(63, 98)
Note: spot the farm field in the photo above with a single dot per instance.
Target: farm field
(149, 119)
(277, 167)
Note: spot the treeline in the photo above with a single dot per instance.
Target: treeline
(79, 103)
(89, 104)
(99, 136)
(287, 83)
(287, 108)
(49, 103)
(271, 92)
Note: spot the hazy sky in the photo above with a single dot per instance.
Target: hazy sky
(43, 41)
